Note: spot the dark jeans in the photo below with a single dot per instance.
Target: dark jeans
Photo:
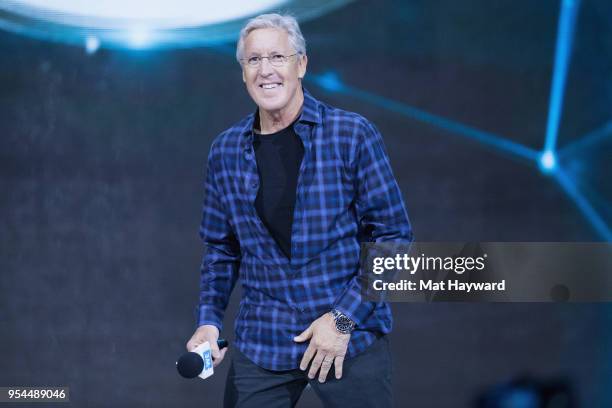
(365, 382)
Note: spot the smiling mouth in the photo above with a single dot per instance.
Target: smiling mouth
(271, 86)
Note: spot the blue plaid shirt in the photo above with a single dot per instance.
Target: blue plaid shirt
(346, 193)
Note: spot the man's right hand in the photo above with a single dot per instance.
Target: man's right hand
(210, 334)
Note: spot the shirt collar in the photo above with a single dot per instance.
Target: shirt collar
(310, 109)
(310, 113)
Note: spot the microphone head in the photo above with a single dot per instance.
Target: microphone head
(190, 365)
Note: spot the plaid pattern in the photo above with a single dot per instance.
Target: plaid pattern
(346, 194)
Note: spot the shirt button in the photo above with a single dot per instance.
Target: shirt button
(254, 184)
(248, 155)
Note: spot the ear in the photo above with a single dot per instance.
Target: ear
(302, 63)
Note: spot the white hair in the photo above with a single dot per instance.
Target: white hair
(284, 22)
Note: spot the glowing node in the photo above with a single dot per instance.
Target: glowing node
(548, 161)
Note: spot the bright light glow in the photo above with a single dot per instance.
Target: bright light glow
(92, 43)
(151, 24)
(139, 37)
(548, 161)
(157, 13)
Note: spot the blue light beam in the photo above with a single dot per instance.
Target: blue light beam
(332, 83)
(583, 205)
(565, 33)
(587, 140)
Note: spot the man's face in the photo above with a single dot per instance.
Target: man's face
(272, 88)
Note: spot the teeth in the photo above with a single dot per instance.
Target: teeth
(269, 86)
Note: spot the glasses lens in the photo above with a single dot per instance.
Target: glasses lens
(253, 61)
(277, 60)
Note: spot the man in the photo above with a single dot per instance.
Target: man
(291, 191)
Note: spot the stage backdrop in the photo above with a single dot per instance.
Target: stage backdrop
(102, 163)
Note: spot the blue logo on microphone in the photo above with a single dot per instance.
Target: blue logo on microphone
(207, 360)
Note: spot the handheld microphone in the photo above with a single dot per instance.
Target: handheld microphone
(198, 363)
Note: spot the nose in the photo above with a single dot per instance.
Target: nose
(265, 68)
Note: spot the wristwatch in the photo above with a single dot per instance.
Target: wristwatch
(343, 323)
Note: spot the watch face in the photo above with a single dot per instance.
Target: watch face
(343, 320)
(344, 324)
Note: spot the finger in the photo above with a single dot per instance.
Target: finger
(214, 348)
(193, 343)
(338, 366)
(316, 364)
(218, 360)
(305, 335)
(308, 354)
(325, 366)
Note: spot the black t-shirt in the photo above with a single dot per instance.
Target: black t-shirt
(279, 156)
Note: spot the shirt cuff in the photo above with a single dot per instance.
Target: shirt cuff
(206, 314)
(351, 305)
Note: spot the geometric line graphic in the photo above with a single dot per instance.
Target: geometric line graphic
(546, 159)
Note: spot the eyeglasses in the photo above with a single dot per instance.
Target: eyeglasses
(276, 60)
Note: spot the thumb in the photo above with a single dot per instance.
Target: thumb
(305, 335)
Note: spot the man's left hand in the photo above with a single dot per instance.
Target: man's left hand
(327, 346)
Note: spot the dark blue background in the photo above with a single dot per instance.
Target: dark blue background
(102, 163)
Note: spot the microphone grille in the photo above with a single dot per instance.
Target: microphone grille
(190, 365)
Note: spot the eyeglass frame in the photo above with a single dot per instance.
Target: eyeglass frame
(261, 58)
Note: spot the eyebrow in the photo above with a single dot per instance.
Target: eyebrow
(257, 54)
